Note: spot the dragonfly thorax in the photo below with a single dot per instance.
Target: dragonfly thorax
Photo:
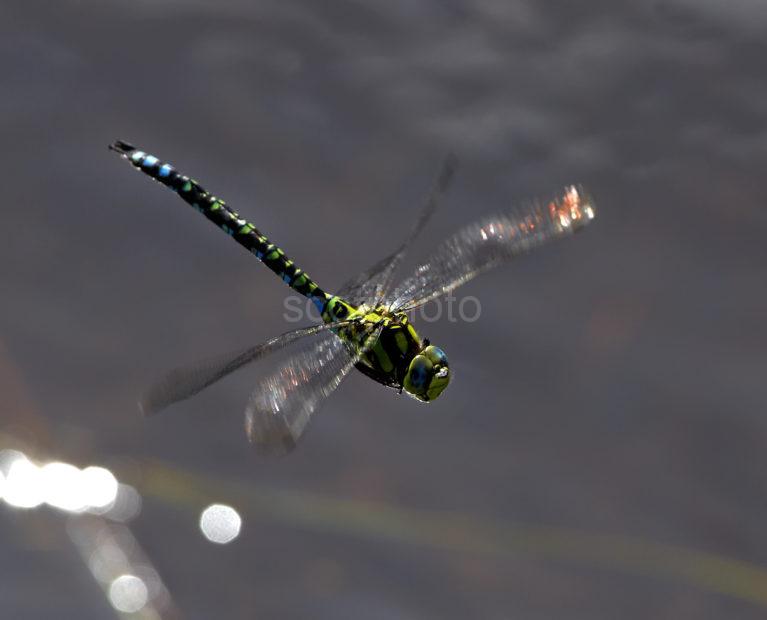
(400, 358)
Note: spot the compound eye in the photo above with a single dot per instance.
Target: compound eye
(420, 371)
(436, 355)
(438, 383)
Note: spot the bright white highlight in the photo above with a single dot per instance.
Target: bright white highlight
(23, 484)
(100, 487)
(62, 487)
(220, 524)
(128, 594)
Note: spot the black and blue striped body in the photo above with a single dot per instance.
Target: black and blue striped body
(242, 231)
(386, 361)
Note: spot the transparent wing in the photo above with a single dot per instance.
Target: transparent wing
(372, 285)
(446, 174)
(282, 404)
(186, 381)
(488, 243)
(362, 288)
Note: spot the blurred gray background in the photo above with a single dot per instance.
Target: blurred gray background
(600, 452)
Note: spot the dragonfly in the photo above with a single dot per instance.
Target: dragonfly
(365, 325)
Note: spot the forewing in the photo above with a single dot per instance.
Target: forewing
(362, 288)
(372, 285)
(444, 179)
(282, 404)
(491, 242)
(186, 381)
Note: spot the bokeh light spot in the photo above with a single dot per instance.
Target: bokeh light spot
(62, 486)
(128, 594)
(127, 504)
(220, 524)
(23, 486)
(100, 486)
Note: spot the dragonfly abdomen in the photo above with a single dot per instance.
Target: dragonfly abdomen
(223, 216)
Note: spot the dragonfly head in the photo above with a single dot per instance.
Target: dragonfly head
(428, 374)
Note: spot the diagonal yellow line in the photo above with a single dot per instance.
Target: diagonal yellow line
(463, 532)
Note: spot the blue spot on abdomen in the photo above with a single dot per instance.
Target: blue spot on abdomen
(319, 303)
